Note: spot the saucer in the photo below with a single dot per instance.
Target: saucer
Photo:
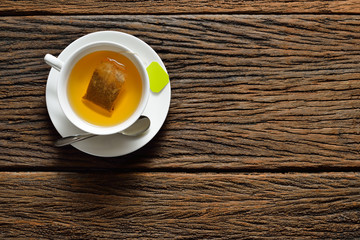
(116, 144)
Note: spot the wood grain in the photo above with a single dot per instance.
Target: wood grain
(248, 92)
(44, 7)
(179, 205)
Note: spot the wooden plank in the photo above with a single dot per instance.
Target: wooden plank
(179, 205)
(248, 92)
(28, 7)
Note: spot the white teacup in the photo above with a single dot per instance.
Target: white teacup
(65, 69)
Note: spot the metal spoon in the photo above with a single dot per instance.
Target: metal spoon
(139, 127)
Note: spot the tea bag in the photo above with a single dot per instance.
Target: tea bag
(105, 84)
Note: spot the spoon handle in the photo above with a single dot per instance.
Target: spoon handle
(72, 139)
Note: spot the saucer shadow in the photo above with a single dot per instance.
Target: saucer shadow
(71, 158)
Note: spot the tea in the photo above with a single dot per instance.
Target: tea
(126, 102)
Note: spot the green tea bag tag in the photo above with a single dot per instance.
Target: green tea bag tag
(157, 76)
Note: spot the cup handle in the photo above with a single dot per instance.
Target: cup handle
(53, 61)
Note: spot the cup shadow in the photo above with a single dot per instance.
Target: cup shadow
(72, 159)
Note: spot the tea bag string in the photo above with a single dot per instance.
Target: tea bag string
(137, 55)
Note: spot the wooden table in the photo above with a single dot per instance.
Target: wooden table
(262, 139)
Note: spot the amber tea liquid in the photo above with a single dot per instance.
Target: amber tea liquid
(128, 99)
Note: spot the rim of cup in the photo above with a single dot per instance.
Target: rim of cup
(65, 72)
